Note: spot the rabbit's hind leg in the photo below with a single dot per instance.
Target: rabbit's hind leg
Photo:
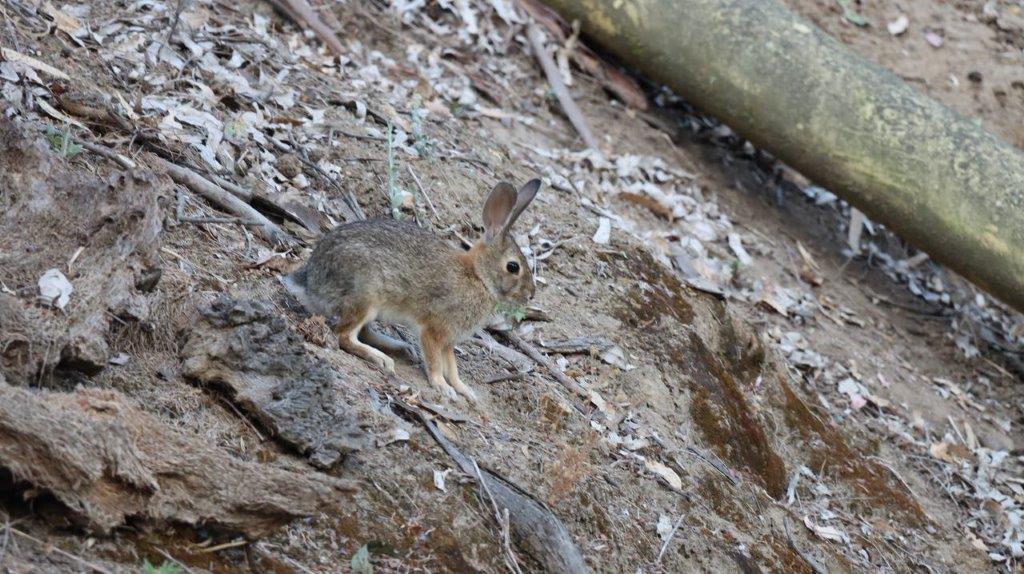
(348, 337)
(385, 343)
(435, 343)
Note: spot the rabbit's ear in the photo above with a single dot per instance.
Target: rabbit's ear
(523, 199)
(498, 209)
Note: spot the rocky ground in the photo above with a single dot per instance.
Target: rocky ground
(719, 372)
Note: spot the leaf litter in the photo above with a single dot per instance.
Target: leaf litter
(210, 59)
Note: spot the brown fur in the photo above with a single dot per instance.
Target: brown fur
(391, 270)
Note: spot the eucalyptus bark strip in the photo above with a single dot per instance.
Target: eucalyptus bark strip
(939, 180)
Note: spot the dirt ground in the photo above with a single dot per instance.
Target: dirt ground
(746, 391)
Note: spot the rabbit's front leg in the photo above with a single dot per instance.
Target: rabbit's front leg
(434, 343)
(451, 372)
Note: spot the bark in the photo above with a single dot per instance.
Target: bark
(940, 181)
(243, 349)
(108, 462)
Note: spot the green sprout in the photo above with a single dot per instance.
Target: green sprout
(61, 142)
(511, 312)
(165, 568)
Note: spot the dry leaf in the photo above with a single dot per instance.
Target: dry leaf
(857, 219)
(65, 23)
(950, 452)
(899, 25)
(55, 289)
(830, 533)
(615, 356)
(664, 527)
(439, 476)
(778, 299)
(58, 115)
(12, 56)
(736, 244)
(649, 202)
(604, 231)
(602, 405)
(665, 473)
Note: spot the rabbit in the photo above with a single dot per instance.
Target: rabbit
(396, 271)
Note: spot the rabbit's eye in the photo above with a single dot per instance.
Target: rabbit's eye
(512, 267)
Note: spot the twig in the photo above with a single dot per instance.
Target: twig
(174, 26)
(225, 200)
(230, 186)
(543, 361)
(63, 553)
(10, 29)
(301, 13)
(811, 562)
(504, 378)
(226, 220)
(715, 464)
(537, 529)
(296, 564)
(572, 111)
(519, 361)
(244, 418)
(465, 158)
(664, 545)
(362, 159)
(503, 524)
(109, 154)
(423, 191)
(181, 218)
(225, 546)
(6, 540)
(39, 65)
(244, 195)
(223, 282)
(359, 136)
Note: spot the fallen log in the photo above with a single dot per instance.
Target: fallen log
(940, 181)
(107, 461)
(243, 349)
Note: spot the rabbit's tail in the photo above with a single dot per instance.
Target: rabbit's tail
(295, 283)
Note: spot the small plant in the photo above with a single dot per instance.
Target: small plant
(424, 146)
(457, 109)
(396, 195)
(61, 142)
(511, 312)
(165, 568)
(361, 561)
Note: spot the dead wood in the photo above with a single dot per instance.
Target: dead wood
(536, 529)
(266, 205)
(93, 108)
(246, 351)
(613, 80)
(226, 201)
(111, 223)
(303, 15)
(519, 361)
(532, 352)
(939, 180)
(108, 461)
(572, 111)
